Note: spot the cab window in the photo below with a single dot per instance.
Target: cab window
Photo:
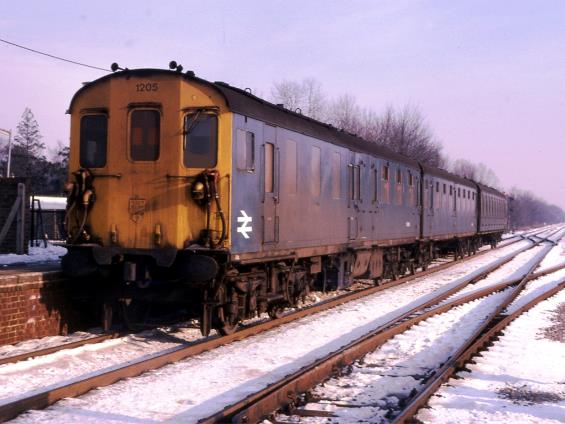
(200, 140)
(145, 130)
(93, 141)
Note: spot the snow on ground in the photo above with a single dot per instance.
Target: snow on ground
(197, 387)
(36, 254)
(555, 257)
(514, 381)
(42, 343)
(552, 255)
(45, 370)
(377, 384)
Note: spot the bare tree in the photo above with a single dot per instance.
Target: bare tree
(344, 114)
(404, 131)
(305, 96)
(476, 172)
(528, 210)
(407, 133)
(314, 99)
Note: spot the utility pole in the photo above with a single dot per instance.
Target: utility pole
(9, 133)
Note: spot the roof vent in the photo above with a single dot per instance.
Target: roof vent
(281, 105)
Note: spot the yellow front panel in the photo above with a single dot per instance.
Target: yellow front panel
(148, 204)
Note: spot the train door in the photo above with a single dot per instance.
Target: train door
(270, 185)
(353, 196)
(454, 207)
(429, 206)
(373, 206)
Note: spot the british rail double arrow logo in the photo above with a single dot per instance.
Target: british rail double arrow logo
(244, 228)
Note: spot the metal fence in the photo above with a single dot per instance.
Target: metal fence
(47, 219)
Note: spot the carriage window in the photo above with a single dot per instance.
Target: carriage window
(386, 190)
(410, 179)
(357, 182)
(375, 185)
(315, 171)
(245, 151)
(269, 167)
(201, 140)
(290, 167)
(336, 175)
(398, 176)
(144, 135)
(93, 140)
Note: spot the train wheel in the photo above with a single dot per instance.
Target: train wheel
(226, 329)
(226, 319)
(275, 311)
(224, 324)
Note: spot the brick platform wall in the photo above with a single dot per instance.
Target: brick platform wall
(35, 304)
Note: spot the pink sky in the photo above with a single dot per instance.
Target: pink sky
(488, 76)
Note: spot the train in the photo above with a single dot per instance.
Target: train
(202, 194)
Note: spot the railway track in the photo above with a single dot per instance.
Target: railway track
(345, 298)
(44, 398)
(285, 393)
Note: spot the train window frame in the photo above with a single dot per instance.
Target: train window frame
(316, 171)
(86, 164)
(357, 182)
(336, 175)
(399, 192)
(385, 173)
(269, 168)
(131, 114)
(245, 155)
(375, 185)
(385, 192)
(212, 151)
(290, 163)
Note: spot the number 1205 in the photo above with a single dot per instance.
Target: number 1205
(147, 86)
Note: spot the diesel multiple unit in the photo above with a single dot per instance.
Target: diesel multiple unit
(197, 192)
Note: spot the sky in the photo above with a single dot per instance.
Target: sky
(489, 76)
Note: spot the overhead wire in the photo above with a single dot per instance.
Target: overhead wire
(53, 56)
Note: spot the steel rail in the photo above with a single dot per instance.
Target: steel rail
(53, 349)
(42, 398)
(450, 367)
(458, 363)
(284, 392)
(345, 298)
